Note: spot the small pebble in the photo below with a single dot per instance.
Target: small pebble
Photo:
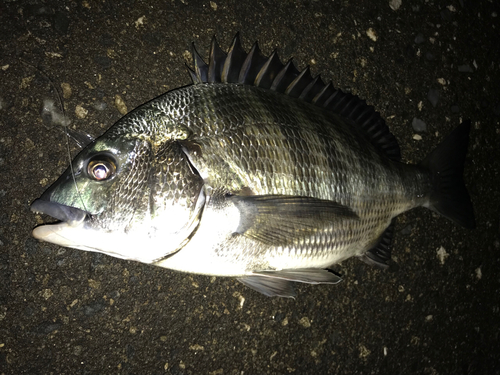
(433, 96)
(418, 125)
(100, 106)
(407, 230)
(120, 105)
(442, 254)
(372, 34)
(81, 112)
(395, 4)
(419, 39)
(441, 81)
(66, 87)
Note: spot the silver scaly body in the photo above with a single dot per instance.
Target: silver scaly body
(264, 143)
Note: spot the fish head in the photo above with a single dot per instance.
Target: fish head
(124, 195)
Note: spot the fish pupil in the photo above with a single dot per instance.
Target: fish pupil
(100, 172)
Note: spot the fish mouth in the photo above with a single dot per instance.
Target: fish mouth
(63, 232)
(72, 216)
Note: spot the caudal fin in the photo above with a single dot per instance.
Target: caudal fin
(449, 196)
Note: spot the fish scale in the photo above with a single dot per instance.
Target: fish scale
(257, 171)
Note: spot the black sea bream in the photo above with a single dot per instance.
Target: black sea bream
(255, 171)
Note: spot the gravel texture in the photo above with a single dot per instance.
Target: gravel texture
(435, 311)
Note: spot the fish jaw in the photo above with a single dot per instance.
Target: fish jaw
(69, 232)
(83, 237)
(62, 234)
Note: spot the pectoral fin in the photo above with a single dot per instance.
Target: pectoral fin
(280, 283)
(279, 220)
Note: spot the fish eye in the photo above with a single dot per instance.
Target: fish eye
(101, 167)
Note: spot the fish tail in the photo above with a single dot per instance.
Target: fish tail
(449, 196)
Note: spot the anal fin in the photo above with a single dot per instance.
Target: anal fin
(380, 255)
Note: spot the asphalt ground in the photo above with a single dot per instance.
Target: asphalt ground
(435, 311)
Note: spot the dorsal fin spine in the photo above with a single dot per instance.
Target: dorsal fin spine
(216, 62)
(252, 65)
(234, 59)
(269, 70)
(255, 69)
(200, 68)
(299, 83)
(320, 97)
(311, 88)
(285, 76)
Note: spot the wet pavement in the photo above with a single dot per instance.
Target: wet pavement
(425, 65)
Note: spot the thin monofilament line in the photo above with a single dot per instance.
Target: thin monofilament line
(65, 126)
(69, 154)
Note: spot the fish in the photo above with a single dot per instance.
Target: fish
(257, 171)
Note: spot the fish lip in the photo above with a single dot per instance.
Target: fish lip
(71, 215)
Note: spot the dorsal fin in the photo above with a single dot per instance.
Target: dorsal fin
(252, 65)
(269, 71)
(253, 68)
(284, 77)
(216, 62)
(235, 58)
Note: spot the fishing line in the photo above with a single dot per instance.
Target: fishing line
(64, 124)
